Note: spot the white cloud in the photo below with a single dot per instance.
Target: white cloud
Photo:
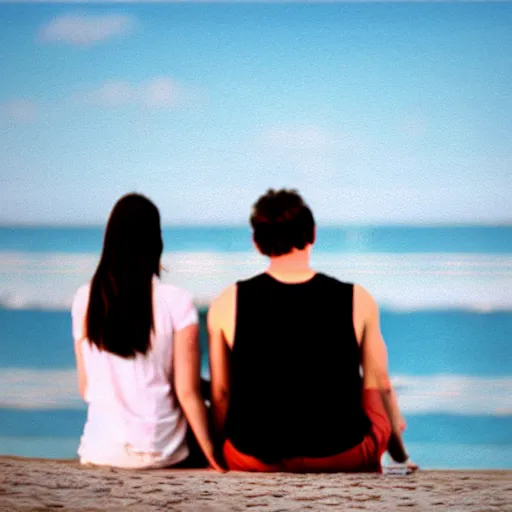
(19, 110)
(112, 94)
(309, 154)
(161, 92)
(388, 170)
(157, 93)
(85, 30)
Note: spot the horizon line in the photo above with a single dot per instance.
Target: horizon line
(319, 224)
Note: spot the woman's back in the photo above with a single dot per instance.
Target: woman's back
(137, 350)
(131, 400)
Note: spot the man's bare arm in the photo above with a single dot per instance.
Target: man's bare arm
(375, 371)
(220, 310)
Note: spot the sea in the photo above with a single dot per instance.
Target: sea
(445, 296)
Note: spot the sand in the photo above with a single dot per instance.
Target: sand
(35, 484)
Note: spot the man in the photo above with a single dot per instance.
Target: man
(286, 352)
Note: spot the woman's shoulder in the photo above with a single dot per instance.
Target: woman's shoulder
(81, 296)
(79, 310)
(171, 293)
(177, 302)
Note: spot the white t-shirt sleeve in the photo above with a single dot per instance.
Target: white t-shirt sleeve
(79, 311)
(183, 311)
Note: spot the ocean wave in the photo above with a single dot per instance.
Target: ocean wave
(404, 282)
(448, 394)
(454, 394)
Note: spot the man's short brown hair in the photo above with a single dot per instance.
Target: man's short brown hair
(282, 221)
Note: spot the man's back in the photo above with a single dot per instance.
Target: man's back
(295, 378)
(286, 348)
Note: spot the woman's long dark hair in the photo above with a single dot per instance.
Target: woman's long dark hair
(120, 313)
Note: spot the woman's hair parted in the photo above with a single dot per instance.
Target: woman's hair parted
(281, 221)
(120, 312)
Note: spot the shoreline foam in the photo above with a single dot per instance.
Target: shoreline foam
(402, 282)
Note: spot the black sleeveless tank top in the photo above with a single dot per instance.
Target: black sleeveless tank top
(295, 381)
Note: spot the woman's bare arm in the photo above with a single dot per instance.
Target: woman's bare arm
(220, 310)
(80, 368)
(187, 385)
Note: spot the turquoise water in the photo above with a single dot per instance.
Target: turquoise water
(420, 343)
(446, 297)
(390, 239)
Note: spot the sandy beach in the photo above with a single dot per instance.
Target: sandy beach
(36, 484)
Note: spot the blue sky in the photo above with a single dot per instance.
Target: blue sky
(377, 113)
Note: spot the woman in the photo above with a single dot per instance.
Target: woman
(137, 351)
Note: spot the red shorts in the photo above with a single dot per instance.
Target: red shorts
(362, 457)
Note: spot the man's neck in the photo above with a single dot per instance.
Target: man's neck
(293, 267)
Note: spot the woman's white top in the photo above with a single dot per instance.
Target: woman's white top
(134, 418)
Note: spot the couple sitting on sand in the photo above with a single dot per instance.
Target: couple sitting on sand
(299, 375)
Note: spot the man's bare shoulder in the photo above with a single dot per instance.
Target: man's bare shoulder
(222, 304)
(364, 301)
